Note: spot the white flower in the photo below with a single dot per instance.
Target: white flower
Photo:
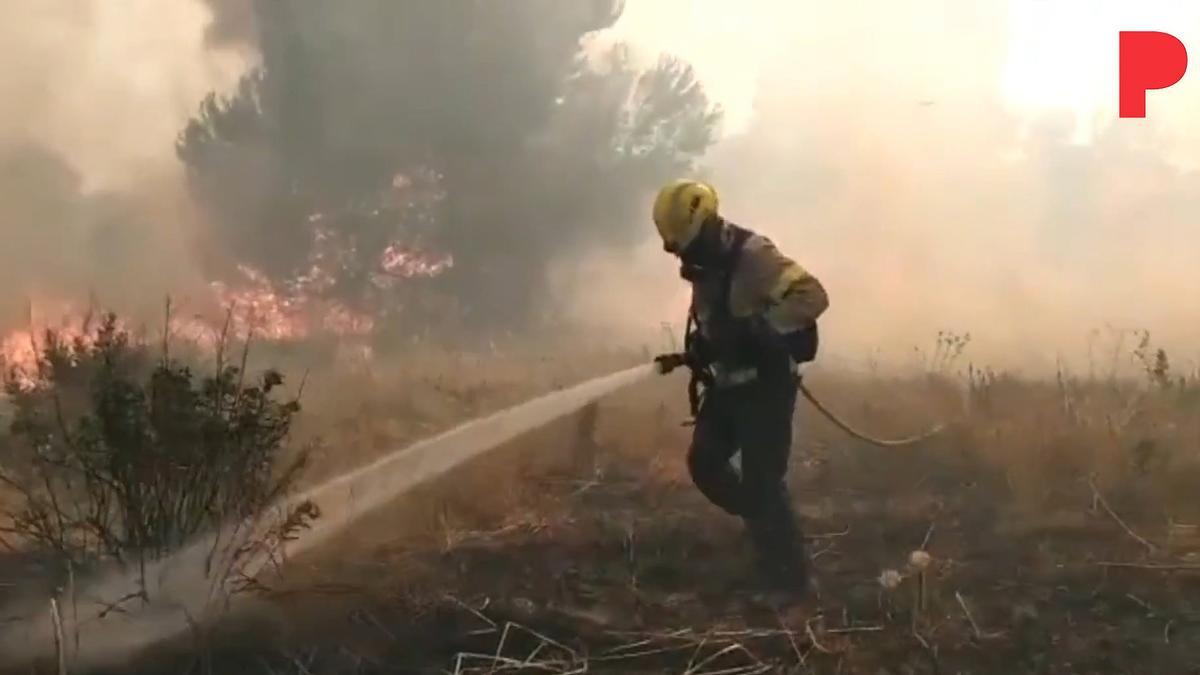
(890, 579)
(919, 560)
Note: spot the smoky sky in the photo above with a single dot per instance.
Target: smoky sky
(902, 176)
(233, 23)
(899, 174)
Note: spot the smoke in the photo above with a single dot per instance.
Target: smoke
(90, 192)
(233, 23)
(910, 157)
(937, 165)
(446, 126)
(64, 244)
(143, 153)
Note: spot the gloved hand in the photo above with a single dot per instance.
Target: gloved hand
(668, 362)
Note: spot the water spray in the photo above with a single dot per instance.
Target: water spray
(179, 590)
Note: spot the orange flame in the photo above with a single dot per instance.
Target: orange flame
(407, 263)
(291, 311)
(22, 350)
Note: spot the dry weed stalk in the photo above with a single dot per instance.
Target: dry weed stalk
(1099, 498)
(60, 646)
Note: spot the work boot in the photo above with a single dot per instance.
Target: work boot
(781, 562)
(779, 586)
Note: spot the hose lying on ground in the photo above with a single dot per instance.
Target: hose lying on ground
(837, 421)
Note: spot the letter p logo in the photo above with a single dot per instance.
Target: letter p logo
(1148, 60)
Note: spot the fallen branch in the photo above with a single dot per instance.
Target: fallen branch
(928, 536)
(791, 640)
(829, 535)
(60, 646)
(812, 637)
(854, 629)
(966, 611)
(1142, 603)
(1099, 498)
(930, 651)
(497, 661)
(476, 613)
(735, 647)
(116, 606)
(695, 653)
(1152, 566)
(828, 549)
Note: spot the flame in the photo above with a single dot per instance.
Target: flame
(22, 350)
(406, 263)
(292, 310)
(19, 357)
(259, 309)
(341, 320)
(291, 314)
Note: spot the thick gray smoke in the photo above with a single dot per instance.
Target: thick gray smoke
(62, 242)
(322, 144)
(91, 199)
(926, 191)
(479, 129)
(233, 23)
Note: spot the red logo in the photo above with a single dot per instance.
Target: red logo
(1148, 60)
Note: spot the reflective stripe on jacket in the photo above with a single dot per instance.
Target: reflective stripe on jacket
(764, 282)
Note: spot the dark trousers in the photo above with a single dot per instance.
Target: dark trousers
(755, 418)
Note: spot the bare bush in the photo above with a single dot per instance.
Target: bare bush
(117, 453)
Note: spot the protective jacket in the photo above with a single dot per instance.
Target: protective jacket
(754, 287)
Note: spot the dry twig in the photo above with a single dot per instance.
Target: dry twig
(979, 634)
(1099, 498)
(476, 613)
(854, 629)
(829, 535)
(812, 637)
(60, 647)
(735, 647)
(928, 536)
(791, 640)
(1152, 566)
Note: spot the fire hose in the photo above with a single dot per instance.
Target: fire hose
(839, 423)
(669, 362)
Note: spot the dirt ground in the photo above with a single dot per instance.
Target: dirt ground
(1061, 541)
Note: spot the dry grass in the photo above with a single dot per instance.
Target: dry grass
(1059, 514)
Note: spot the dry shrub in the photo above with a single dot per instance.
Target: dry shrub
(122, 452)
(1026, 444)
(1036, 441)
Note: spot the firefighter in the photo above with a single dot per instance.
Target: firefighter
(752, 320)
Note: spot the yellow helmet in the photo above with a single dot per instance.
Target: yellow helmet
(680, 209)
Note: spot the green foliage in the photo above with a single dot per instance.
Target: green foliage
(515, 148)
(126, 454)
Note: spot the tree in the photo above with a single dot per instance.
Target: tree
(481, 129)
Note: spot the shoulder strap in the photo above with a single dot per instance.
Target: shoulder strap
(740, 236)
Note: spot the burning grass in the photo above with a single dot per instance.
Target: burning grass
(1057, 516)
